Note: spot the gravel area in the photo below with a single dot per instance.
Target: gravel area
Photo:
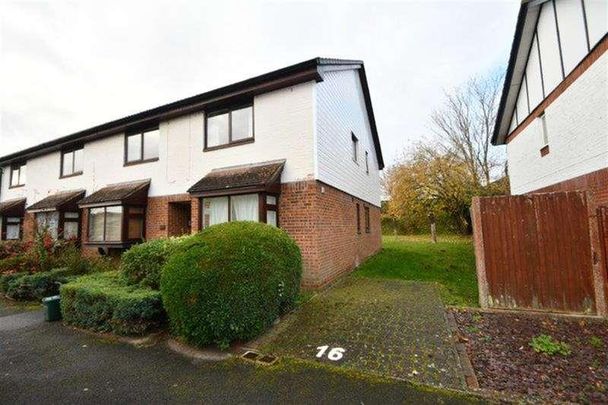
(388, 327)
(499, 347)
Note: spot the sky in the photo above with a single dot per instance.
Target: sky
(67, 66)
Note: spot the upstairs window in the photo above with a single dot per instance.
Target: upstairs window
(355, 146)
(544, 134)
(18, 173)
(366, 162)
(229, 127)
(71, 162)
(142, 147)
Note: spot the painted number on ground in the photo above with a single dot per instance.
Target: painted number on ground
(334, 354)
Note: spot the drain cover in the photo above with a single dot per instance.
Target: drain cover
(267, 359)
(249, 355)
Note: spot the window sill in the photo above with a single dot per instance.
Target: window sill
(544, 151)
(70, 175)
(17, 186)
(139, 162)
(228, 145)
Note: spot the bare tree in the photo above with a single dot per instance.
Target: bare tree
(465, 123)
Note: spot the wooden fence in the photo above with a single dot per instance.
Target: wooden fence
(541, 252)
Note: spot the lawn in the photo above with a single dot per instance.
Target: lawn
(450, 262)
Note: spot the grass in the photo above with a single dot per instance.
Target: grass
(450, 262)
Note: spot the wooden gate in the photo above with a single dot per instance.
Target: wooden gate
(536, 252)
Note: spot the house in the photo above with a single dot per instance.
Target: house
(296, 148)
(553, 114)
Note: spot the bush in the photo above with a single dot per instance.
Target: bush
(230, 282)
(547, 345)
(103, 302)
(142, 263)
(11, 248)
(30, 287)
(5, 279)
(18, 264)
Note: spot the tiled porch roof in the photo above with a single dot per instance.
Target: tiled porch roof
(57, 201)
(119, 193)
(14, 207)
(252, 176)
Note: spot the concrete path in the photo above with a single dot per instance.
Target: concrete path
(51, 363)
(389, 327)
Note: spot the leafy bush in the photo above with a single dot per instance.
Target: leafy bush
(30, 287)
(230, 282)
(18, 264)
(103, 302)
(6, 278)
(11, 248)
(142, 263)
(547, 345)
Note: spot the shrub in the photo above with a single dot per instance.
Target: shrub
(103, 302)
(230, 282)
(18, 264)
(547, 345)
(30, 287)
(6, 278)
(11, 248)
(142, 263)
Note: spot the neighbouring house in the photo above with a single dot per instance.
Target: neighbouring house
(553, 114)
(296, 148)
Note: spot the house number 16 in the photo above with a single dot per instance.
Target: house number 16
(334, 354)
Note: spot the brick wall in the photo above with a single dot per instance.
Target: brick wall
(29, 227)
(159, 221)
(323, 222)
(596, 182)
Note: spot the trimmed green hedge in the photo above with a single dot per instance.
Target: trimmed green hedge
(143, 262)
(30, 287)
(103, 302)
(230, 282)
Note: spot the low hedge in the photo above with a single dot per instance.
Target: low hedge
(141, 265)
(30, 287)
(103, 302)
(230, 282)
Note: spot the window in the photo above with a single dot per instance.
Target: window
(18, 175)
(366, 162)
(105, 224)
(47, 222)
(135, 223)
(544, 134)
(243, 207)
(229, 126)
(367, 224)
(358, 219)
(543, 129)
(12, 228)
(71, 162)
(142, 147)
(71, 225)
(355, 146)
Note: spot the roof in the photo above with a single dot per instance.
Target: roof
(57, 201)
(520, 49)
(119, 193)
(15, 207)
(288, 76)
(253, 177)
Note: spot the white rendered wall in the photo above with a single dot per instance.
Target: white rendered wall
(577, 124)
(340, 110)
(597, 19)
(283, 122)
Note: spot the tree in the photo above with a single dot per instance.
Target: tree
(465, 122)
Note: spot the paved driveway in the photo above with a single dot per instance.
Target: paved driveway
(389, 327)
(52, 363)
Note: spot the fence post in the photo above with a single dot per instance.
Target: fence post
(597, 255)
(478, 243)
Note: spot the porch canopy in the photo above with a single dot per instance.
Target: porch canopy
(63, 201)
(12, 208)
(250, 178)
(129, 193)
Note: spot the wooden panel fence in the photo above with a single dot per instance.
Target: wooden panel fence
(538, 252)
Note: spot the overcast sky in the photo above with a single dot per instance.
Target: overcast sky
(67, 66)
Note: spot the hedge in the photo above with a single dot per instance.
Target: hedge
(30, 287)
(141, 265)
(103, 302)
(230, 282)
